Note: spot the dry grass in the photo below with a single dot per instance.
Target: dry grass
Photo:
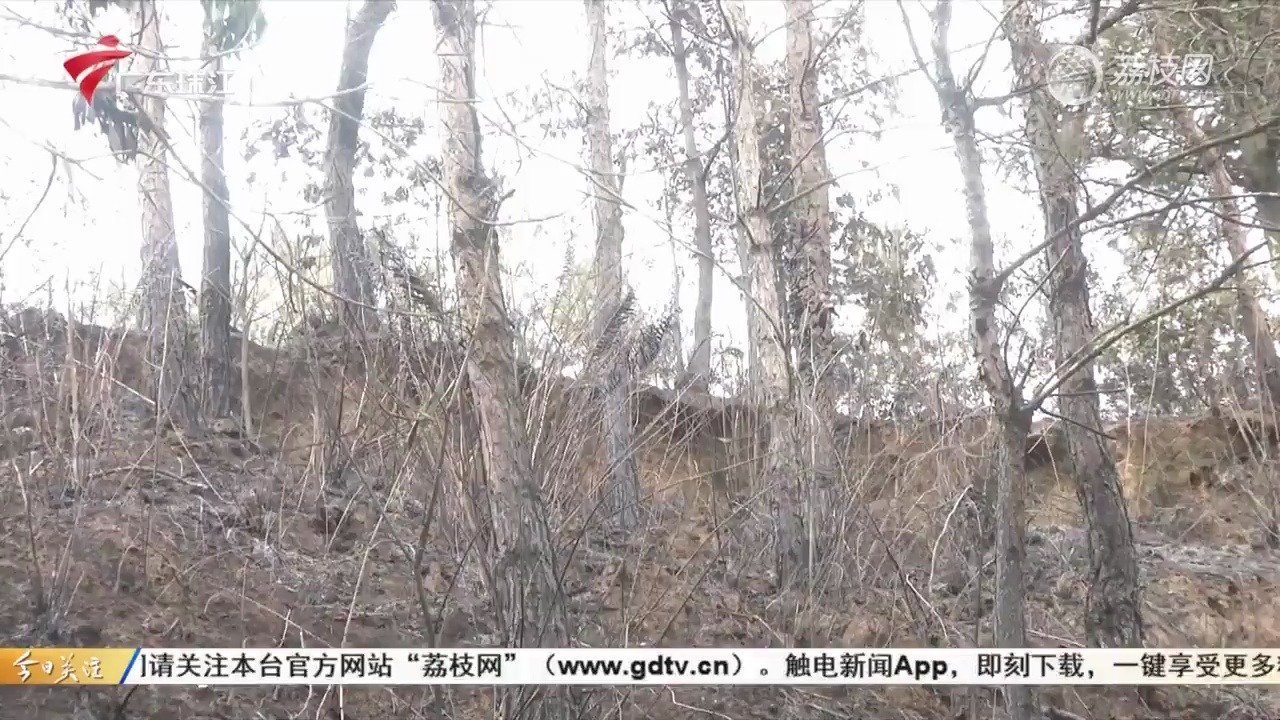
(119, 533)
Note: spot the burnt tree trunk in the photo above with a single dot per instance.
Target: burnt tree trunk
(756, 236)
(1013, 421)
(164, 305)
(520, 548)
(352, 266)
(814, 336)
(1113, 613)
(622, 488)
(215, 281)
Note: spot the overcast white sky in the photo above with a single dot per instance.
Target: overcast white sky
(89, 223)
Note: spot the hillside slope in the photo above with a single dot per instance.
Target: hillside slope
(119, 533)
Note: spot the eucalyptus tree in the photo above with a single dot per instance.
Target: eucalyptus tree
(1012, 417)
(1056, 137)
(622, 483)
(514, 531)
(228, 27)
(164, 305)
(353, 277)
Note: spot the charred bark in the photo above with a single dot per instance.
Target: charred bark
(164, 305)
(1113, 613)
(622, 489)
(814, 334)
(1013, 420)
(520, 547)
(215, 283)
(793, 560)
(352, 265)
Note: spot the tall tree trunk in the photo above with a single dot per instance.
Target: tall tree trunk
(1113, 613)
(757, 237)
(1012, 419)
(679, 361)
(1252, 315)
(695, 173)
(164, 307)
(752, 310)
(622, 491)
(521, 552)
(215, 283)
(743, 280)
(815, 339)
(352, 266)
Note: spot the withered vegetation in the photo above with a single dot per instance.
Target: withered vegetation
(121, 533)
